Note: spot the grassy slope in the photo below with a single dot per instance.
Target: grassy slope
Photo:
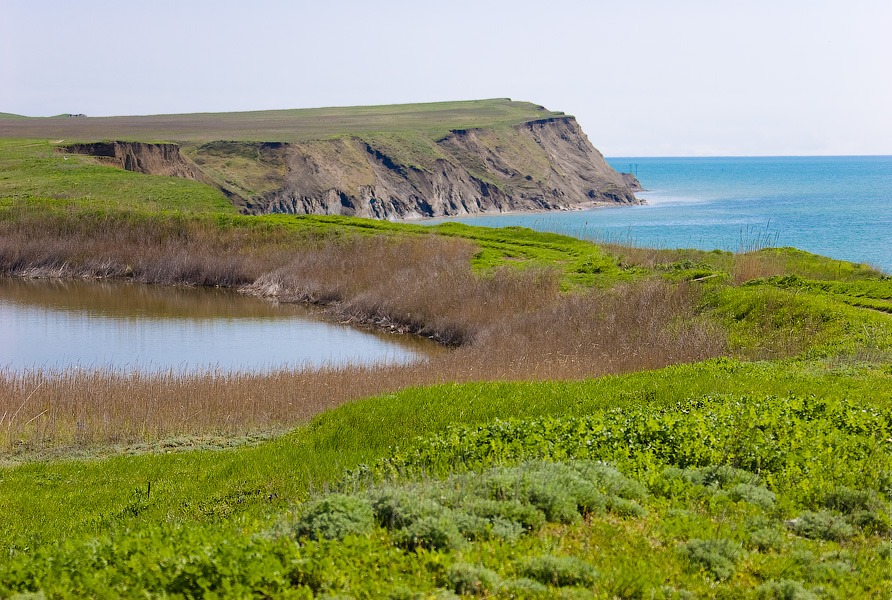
(430, 119)
(226, 494)
(31, 171)
(88, 496)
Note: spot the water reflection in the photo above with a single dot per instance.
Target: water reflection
(59, 324)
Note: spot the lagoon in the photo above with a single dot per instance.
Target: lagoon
(55, 325)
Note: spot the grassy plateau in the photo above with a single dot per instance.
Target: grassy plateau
(604, 421)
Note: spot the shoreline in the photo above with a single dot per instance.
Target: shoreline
(581, 207)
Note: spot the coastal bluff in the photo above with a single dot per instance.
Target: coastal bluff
(389, 162)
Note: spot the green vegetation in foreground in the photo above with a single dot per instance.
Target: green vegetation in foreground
(806, 505)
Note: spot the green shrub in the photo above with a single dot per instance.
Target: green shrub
(403, 593)
(874, 522)
(864, 508)
(474, 527)
(395, 508)
(472, 580)
(753, 494)
(766, 538)
(500, 502)
(523, 588)
(625, 508)
(527, 516)
(822, 525)
(558, 571)
(431, 532)
(671, 593)
(848, 500)
(717, 557)
(609, 479)
(554, 500)
(335, 516)
(561, 491)
(758, 438)
(720, 476)
(785, 589)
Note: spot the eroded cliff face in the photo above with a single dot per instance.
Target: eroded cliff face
(540, 165)
(150, 159)
(548, 164)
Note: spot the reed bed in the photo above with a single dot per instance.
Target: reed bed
(509, 324)
(586, 335)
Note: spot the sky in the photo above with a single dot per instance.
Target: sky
(642, 77)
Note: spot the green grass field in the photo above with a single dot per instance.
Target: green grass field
(763, 473)
(298, 125)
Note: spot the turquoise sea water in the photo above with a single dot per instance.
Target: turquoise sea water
(835, 206)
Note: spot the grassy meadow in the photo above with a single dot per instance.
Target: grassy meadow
(605, 421)
(430, 119)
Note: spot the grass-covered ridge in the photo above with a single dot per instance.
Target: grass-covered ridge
(297, 125)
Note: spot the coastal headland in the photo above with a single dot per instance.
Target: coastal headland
(385, 162)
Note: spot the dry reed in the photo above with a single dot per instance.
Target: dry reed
(511, 324)
(635, 327)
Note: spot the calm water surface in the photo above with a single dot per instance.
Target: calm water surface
(836, 206)
(55, 325)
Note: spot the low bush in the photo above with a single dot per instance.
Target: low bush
(717, 557)
(750, 448)
(625, 508)
(558, 571)
(523, 589)
(335, 516)
(472, 580)
(764, 535)
(753, 494)
(432, 533)
(822, 525)
(502, 503)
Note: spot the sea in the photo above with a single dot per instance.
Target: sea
(837, 206)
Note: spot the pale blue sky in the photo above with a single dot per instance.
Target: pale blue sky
(644, 78)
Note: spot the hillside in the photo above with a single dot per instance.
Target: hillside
(418, 160)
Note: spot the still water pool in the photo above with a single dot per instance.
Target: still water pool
(63, 324)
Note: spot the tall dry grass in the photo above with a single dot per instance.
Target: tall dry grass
(635, 327)
(511, 324)
(422, 285)
(168, 251)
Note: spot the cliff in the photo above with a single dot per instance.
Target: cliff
(151, 159)
(539, 164)
(546, 164)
